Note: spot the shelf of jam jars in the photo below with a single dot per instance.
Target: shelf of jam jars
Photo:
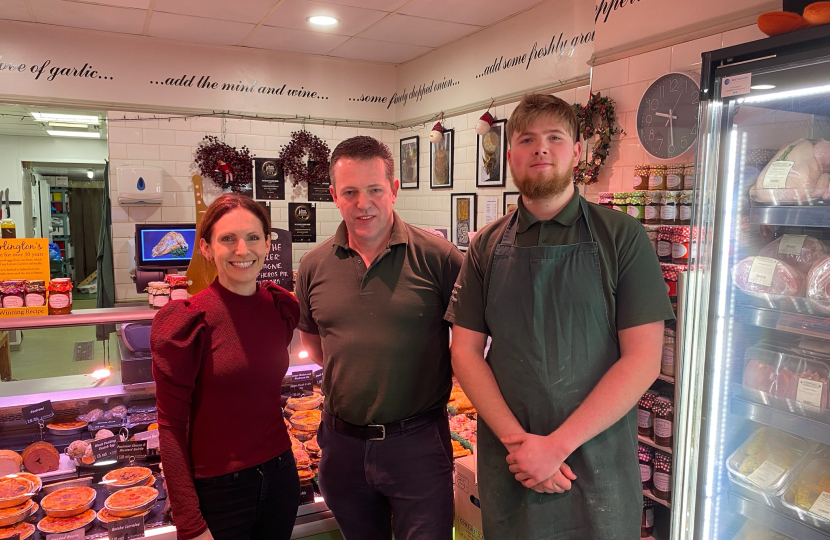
(650, 442)
(81, 317)
(795, 216)
(656, 499)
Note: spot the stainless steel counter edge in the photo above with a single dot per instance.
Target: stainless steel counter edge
(81, 317)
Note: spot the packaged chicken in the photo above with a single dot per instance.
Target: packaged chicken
(761, 276)
(802, 384)
(809, 494)
(798, 250)
(796, 175)
(765, 462)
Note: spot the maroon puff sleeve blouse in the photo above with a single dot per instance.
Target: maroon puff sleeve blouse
(218, 362)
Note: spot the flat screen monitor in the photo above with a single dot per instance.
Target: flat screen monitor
(164, 245)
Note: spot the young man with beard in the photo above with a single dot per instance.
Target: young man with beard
(372, 301)
(571, 294)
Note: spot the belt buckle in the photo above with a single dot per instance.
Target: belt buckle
(382, 430)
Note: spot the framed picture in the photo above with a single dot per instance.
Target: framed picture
(463, 218)
(491, 154)
(410, 162)
(441, 157)
(511, 202)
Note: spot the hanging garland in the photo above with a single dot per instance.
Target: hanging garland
(226, 166)
(587, 171)
(291, 158)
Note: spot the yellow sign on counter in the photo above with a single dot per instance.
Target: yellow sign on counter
(24, 258)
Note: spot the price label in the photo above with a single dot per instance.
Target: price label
(766, 474)
(791, 244)
(303, 380)
(822, 505)
(39, 411)
(127, 528)
(106, 424)
(761, 271)
(776, 175)
(152, 438)
(77, 534)
(131, 449)
(318, 377)
(809, 392)
(104, 448)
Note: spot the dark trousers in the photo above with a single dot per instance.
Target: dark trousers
(256, 503)
(402, 483)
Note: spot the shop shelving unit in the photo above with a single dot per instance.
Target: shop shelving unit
(60, 214)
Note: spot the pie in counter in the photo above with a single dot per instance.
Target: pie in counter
(16, 514)
(67, 426)
(14, 491)
(37, 483)
(131, 501)
(305, 403)
(127, 476)
(56, 525)
(68, 502)
(106, 517)
(306, 420)
(23, 529)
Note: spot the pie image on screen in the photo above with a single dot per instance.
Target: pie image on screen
(172, 243)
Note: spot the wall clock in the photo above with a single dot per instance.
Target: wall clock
(667, 116)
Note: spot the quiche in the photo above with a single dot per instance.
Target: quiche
(14, 491)
(55, 525)
(33, 478)
(312, 445)
(305, 403)
(305, 474)
(131, 501)
(67, 426)
(23, 530)
(127, 477)
(16, 514)
(68, 502)
(306, 420)
(106, 517)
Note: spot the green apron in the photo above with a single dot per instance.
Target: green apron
(552, 343)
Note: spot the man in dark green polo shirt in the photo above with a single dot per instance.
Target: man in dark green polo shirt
(573, 297)
(372, 300)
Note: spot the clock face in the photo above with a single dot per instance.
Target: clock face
(667, 117)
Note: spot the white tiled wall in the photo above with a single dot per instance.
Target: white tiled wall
(171, 146)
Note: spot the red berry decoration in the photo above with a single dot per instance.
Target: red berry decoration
(291, 158)
(587, 171)
(226, 166)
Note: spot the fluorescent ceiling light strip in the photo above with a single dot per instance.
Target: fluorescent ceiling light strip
(84, 134)
(801, 92)
(68, 124)
(71, 118)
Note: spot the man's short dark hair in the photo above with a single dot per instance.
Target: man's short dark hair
(364, 148)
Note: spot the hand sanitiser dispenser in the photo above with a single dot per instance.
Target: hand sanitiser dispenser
(140, 186)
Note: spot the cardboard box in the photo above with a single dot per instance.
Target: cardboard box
(467, 504)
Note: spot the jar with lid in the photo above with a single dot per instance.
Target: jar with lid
(14, 293)
(636, 205)
(60, 296)
(667, 359)
(663, 422)
(684, 208)
(647, 527)
(670, 276)
(668, 210)
(645, 415)
(657, 178)
(662, 479)
(641, 174)
(680, 245)
(674, 177)
(689, 176)
(35, 293)
(606, 199)
(653, 202)
(620, 202)
(664, 240)
(178, 286)
(646, 457)
(159, 292)
(652, 231)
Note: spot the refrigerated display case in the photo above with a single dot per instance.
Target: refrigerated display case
(753, 449)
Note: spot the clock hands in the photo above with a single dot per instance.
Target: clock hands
(671, 117)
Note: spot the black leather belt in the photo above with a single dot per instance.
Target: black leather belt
(378, 432)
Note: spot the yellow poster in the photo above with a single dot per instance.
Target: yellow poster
(24, 258)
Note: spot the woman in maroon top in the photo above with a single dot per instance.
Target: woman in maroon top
(218, 361)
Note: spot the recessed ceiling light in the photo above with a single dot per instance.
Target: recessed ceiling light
(762, 87)
(322, 20)
(70, 118)
(85, 134)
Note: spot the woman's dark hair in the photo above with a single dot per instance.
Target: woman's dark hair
(226, 203)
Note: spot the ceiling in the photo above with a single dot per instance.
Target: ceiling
(388, 31)
(17, 120)
(75, 171)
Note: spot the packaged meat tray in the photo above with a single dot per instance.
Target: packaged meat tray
(801, 384)
(762, 276)
(798, 250)
(766, 461)
(818, 282)
(796, 175)
(809, 495)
